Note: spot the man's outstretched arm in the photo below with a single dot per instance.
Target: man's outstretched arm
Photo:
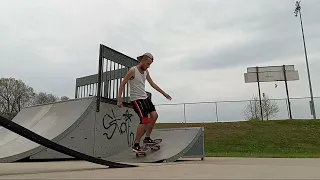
(123, 84)
(156, 87)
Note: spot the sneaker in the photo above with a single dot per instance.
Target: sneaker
(136, 147)
(148, 140)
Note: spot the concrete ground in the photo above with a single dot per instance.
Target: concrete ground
(210, 168)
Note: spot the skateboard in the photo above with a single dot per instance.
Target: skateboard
(148, 146)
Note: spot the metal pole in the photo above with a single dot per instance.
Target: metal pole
(287, 108)
(118, 79)
(90, 94)
(257, 69)
(87, 90)
(99, 79)
(109, 80)
(287, 91)
(217, 111)
(76, 93)
(106, 80)
(184, 113)
(114, 80)
(298, 10)
(121, 75)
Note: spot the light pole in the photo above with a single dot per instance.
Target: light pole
(296, 12)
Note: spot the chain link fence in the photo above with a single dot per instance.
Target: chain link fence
(230, 111)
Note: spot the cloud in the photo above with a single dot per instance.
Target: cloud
(267, 36)
(203, 47)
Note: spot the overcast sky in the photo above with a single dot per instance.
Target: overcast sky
(203, 46)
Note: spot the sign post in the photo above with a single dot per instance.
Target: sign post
(270, 74)
(285, 81)
(261, 112)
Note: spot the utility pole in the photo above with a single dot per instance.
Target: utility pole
(296, 12)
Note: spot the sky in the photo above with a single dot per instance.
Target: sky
(204, 47)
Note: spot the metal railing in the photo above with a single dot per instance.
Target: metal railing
(230, 111)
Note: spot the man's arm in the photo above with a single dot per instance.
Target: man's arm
(124, 82)
(155, 86)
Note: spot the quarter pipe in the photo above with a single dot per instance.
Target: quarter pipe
(107, 134)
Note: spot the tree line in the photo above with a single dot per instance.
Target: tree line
(15, 95)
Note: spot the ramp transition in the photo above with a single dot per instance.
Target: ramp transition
(107, 134)
(14, 127)
(175, 143)
(52, 121)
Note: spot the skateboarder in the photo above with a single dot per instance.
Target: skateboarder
(142, 104)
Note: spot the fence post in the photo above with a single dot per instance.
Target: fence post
(184, 113)
(217, 112)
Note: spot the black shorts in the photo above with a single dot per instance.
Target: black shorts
(143, 107)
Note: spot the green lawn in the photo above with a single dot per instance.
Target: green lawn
(286, 138)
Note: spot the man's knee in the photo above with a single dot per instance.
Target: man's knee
(154, 115)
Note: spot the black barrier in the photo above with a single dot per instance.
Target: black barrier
(22, 131)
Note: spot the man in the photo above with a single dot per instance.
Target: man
(142, 104)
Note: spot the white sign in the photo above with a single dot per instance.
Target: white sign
(270, 68)
(269, 76)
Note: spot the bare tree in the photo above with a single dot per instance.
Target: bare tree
(252, 110)
(14, 95)
(64, 98)
(44, 98)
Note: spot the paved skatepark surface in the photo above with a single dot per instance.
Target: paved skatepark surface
(210, 168)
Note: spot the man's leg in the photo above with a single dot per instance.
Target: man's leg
(153, 119)
(140, 110)
(140, 131)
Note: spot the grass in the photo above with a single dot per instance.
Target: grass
(285, 138)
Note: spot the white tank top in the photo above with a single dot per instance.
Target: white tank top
(137, 85)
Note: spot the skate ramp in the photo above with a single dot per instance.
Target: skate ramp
(175, 143)
(52, 121)
(22, 131)
(107, 134)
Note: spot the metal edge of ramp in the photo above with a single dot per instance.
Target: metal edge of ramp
(127, 156)
(16, 128)
(60, 136)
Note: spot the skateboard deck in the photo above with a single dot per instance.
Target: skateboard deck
(147, 147)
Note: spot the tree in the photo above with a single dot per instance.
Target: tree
(14, 95)
(44, 98)
(270, 108)
(64, 98)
